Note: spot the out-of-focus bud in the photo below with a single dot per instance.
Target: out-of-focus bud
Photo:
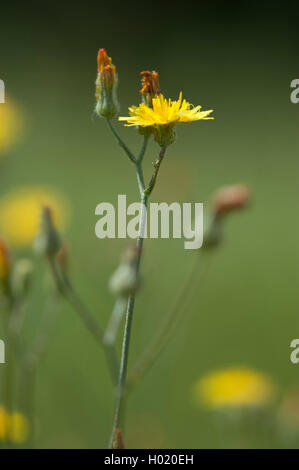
(5, 263)
(21, 277)
(230, 198)
(47, 242)
(225, 200)
(62, 257)
(150, 86)
(213, 233)
(106, 87)
(125, 281)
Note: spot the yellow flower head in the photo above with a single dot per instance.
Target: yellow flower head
(20, 213)
(164, 115)
(10, 125)
(164, 112)
(234, 387)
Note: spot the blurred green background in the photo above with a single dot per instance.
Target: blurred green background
(237, 60)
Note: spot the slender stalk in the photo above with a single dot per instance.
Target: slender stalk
(165, 333)
(143, 148)
(140, 178)
(115, 321)
(157, 164)
(120, 393)
(121, 142)
(65, 288)
(122, 382)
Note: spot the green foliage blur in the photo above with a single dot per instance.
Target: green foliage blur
(238, 61)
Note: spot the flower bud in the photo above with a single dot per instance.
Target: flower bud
(230, 198)
(125, 281)
(106, 85)
(47, 242)
(150, 86)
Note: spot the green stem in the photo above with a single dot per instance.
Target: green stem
(121, 142)
(140, 178)
(157, 164)
(143, 148)
(65, 288)
(115, 321)
(120, 393)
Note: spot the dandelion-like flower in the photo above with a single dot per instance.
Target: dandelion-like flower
(234, 387)
(20, 213)
(165, 112)
(164, 116)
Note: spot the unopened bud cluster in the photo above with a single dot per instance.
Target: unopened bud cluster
(106, 87)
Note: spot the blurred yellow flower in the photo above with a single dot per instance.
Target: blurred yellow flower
(20, 212)
(4, 419)
(18, 428)
(10, 125)
(234, 387)
(14, 427)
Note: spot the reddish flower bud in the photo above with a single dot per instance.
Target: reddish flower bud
(229, 198)
(106, 84)
(150, 86)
